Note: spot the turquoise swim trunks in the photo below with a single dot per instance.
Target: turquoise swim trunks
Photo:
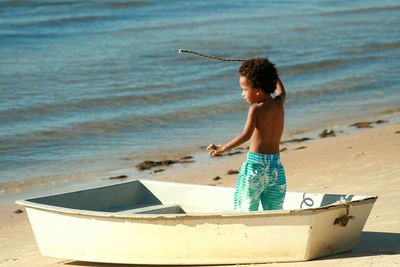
(261, 178)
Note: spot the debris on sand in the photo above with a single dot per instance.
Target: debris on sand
(296, 140)
(362, 124)
(327, 133)
(367, 124)
(118, 177)
(233, 153)
(230, 172)
(148, 164)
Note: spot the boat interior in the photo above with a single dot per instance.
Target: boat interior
(156, 197)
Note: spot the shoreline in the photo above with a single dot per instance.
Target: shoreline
(10, 191)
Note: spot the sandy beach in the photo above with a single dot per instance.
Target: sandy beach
(364, 161)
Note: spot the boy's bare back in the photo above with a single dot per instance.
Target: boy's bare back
(269, 121)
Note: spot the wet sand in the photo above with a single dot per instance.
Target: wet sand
(365, 162)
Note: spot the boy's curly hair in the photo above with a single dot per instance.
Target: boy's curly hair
(260, 73)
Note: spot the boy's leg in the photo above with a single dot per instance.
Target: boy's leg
(248, 187)
(273, 196)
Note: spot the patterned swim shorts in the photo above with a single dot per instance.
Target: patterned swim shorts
(261, 178)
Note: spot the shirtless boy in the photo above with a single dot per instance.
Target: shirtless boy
(262, 176)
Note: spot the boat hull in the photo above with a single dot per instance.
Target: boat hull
(198, 239)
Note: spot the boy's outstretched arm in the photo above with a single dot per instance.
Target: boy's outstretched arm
(213, 150)
(280, 91)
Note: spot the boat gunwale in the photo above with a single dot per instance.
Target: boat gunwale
(213, 215)
(230, 214)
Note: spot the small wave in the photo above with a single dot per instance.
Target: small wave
(126, 4)
(360, 10)
(373, 47)
(390, 111)
(313, 66)
(10, 37)
(191, 24)
(57, 4)
(89, 105)
(66, 20)
(302, 29)
(347, 85)
(33, 4)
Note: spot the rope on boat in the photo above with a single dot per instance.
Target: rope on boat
(211, 57)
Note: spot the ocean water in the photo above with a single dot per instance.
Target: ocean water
(98, 85)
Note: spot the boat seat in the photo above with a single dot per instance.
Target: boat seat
(156, 209)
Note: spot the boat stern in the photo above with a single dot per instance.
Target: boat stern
(336, 229)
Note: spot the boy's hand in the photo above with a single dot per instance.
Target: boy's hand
(213, 150)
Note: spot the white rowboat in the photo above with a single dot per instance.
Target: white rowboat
(153, 222)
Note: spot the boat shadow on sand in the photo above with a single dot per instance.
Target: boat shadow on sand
(369, 244)
(372, 244)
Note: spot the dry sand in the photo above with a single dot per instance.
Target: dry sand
(365, 162)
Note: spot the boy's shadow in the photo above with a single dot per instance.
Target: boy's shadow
(369, 244)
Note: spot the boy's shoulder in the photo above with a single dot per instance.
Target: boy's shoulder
(256, 106)
(267, 106)
(262, 105)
